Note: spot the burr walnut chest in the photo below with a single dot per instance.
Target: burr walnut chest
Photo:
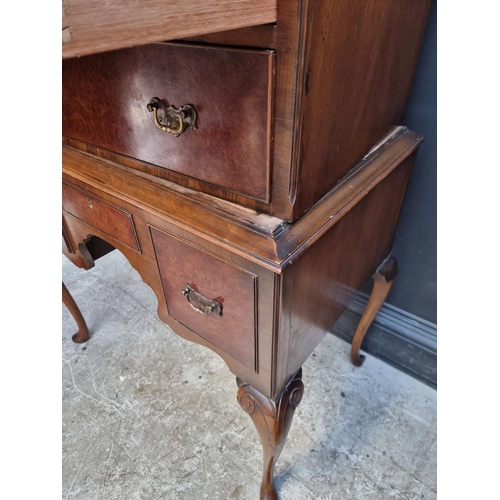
(248, 159)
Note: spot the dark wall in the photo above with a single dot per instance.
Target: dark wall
(415, 243)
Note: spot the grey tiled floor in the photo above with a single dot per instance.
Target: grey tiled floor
(148, 415)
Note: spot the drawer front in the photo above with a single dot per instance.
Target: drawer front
(212, 298)
(100, 214)
(105, 98)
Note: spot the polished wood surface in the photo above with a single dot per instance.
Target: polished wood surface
(146, 265)
(305, 272)
(382, 284)
(359, 65)
(267, 241)
(256, 229)
(90, 26)
(105, 100)
(100, 214)
(273, 419)
(82, 335)
(354, 63)
(234, 330)
(342, 77)
(320, 284)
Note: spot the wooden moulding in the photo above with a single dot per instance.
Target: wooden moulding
(267, 241)
(90, 26)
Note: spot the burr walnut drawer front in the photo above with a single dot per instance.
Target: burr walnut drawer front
(200, 111)
(213, 298)
(100, 214)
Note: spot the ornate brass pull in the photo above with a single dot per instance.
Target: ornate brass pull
(200, 303)
(172, 120)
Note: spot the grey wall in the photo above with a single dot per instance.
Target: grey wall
(404, 332)
(415, 243)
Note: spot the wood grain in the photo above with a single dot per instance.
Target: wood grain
(344, 73)
(146, 265)
(98, 213)
(342, 78)
(105, 98)
(306, 208)
(271, 243)
(91, 26)
(300, 269)
(358, 70)
(320, 284)
(181, 263)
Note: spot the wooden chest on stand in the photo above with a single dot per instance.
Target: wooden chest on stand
(248, 159)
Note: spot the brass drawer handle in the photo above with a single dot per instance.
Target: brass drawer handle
(172, 120)
(200, 303)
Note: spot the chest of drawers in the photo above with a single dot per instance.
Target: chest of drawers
(252, 176)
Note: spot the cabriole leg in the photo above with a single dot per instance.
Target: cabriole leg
(82, 335)
(382, 283)
(272, 420)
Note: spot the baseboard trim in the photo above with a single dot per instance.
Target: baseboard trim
(399, 338)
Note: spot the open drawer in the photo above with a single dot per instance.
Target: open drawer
(200, 111)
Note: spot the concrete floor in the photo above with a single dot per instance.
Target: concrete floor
(148, 415)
